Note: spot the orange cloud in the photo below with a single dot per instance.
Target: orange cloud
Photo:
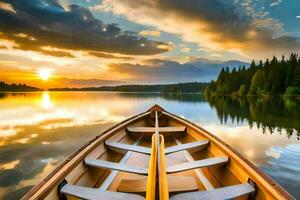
(185, 50)
(150, 33)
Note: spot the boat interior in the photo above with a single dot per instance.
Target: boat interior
(156, 155)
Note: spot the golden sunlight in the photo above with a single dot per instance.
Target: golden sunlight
(45, 74)
(46, 101)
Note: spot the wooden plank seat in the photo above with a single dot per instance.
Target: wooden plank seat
(96, 194)
(116, 166)
(123, 148)
(197, 164)
(148, 131)
(228, 192)
(192, 146)
(175, 184)
(135, 129)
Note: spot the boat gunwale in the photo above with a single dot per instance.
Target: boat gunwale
(282, 192)
(102, 136)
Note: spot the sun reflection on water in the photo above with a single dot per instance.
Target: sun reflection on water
(46, 101)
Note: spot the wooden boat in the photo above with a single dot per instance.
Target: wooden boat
(156, 155)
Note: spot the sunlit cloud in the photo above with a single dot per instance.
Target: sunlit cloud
(185, 50)
(57, 52)
(8, 44)
(23, 35)
(7, 7)
(150, 33)
(37, 57)
(168, 47)
(216, 55)
(112, 56)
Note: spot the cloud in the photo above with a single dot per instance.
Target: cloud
(185, 50)
(298, 17)
(110, 56)
(152, 62)
(164, 71)
(54, 52)
(150, 33)
(38, 23)
(276, 3)
(212, 24)
(7, 7)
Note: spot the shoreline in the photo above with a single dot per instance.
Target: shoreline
(149, 92)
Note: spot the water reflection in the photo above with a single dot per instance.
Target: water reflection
(38, 130)
(284, 161)
(196, 98)
(46, 101)
(272, 115)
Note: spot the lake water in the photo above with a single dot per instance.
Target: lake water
(38, 130)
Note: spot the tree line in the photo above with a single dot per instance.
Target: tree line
(273, 77)
(193, 87)
(16, 87)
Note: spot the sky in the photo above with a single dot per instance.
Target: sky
(78, 43)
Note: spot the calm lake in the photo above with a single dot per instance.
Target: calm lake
(38, 130)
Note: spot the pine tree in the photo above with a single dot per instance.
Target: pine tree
(257, 83)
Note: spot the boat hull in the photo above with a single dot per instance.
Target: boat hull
(236, 170)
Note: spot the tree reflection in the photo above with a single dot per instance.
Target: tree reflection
(272, 114)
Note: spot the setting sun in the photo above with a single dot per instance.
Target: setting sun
(45, 74)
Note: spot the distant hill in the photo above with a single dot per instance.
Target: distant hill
(194, 87)
(16, 87)
(218, 63)
(69, 82)
(235, 63)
